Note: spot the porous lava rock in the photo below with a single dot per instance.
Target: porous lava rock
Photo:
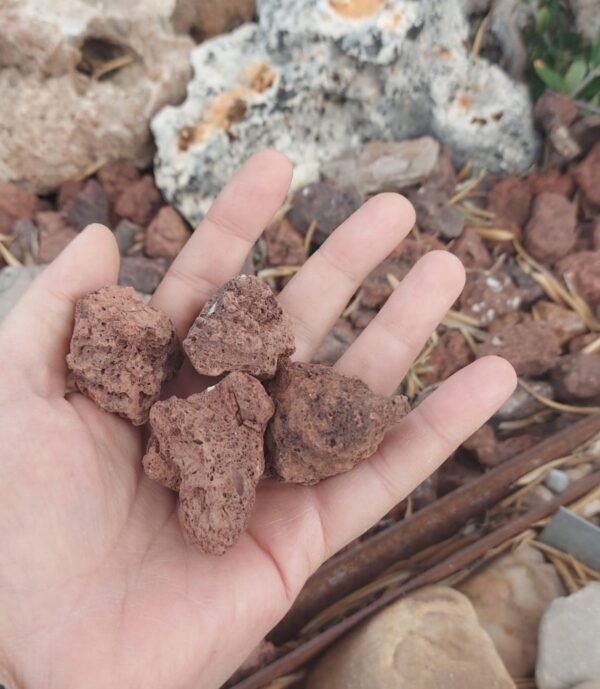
(284, 244)
(241, 328)
(209, 447)
(167, 234)
(325, 423)
(550, 233)
(122, 351)
(576, 377)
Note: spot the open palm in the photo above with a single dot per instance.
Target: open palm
(97, 585)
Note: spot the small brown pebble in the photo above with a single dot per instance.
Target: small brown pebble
(551, 181)
(581, 342)
(139, 201)
(241, 328)
(122, 351)
(565, 322)
(16, 203)
(450, 355)
(490, 451)
(531, 347)
(209, 447)
(511, 198)
(116, 176)
(582, 270)
(325, 423)
(550, 233)
(434, 214)
(54, 234)
(68, 191)
(554, 109)
(167, 234)
(325, 203)
(285, 245)
(587, 175)
(576, 377)
(144, 274)
(471, 250)
(487, 295)
(91, 205)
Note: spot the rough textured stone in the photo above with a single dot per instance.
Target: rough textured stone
(568, 640)
(89, 206)
(551, 181)
(587, 175)
(57, 120)
(471, 250)
(67, 191)
(325, 203)
(139, 201)
(511, 198)
(314, 81)
(434, 215)
(450, 355)
(122, 351)
(144, 274)
(116, 176)
(209, 447)
(284, 244)
(54, 233)
(531, 347)
(384, 165)
(428, 639)
(167, 234)
(14, 280)
(377, 287)
(325, 423)
(489, 451)
(509, 597)
(576, 377)
(582, 270)
(554, 109)
(550, 232)
(565, 322)
(15, 202)
(241, 328)
(521, 404)
(487, 295)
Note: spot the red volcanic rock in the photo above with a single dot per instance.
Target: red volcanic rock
(116, 176)
(554, 109)
(450, 355)
(576, 377)
(511, 198)
(167, 234)
(241, 328)
(487, 295)
(551, 181)
(142, 273)
(285, 245)
(16, 204)
(209, 447)
(122, 351)
(67, 192)
(325, 423)
(139, 201)
(582, 270)
(471, 250)
(532, 347)
(54, 233)
(91, 205)
(550, 233)
(587, 175)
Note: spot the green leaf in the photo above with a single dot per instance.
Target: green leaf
(549, 77)
(542, 21)
(575, 75)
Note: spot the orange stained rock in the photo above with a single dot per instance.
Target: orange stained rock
(356, 9)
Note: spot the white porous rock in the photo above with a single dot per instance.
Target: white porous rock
(59, 118)
(318, 78)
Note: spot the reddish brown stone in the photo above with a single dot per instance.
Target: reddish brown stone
(68, 191)
(167, 234)
(54, 234)
(554, 109)
(586, 131)
(489, 451)
(576, 377)
(377, 288)
(444, 175)
(596, 234)
(361, 318)
(122, 351)
(6, 222)
(587, 175)
(504, 247)
(450, 355)
(565, 322)
(139, 201)
(487, 295)
(285, 245)
(241, 328)
(511, 198)
(550, 233)
(471, 250)
(324, 422)
(209, 447)
(143, 274)
(325, 203)
(582, 270)
(336, 343)
(551, 181)
(16, 203)
(581, 342)
(531, 347)
(89, 206)
(435, 215)
(115, 177)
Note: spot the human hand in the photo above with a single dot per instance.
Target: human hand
(97, 584)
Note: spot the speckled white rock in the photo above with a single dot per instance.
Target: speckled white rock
(316, 78)
(56, 121)
(569, 640)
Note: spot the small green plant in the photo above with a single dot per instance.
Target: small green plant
(561, 60)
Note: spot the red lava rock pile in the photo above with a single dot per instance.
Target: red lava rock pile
(210, 447)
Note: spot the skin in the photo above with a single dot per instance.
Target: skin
(97, 585)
